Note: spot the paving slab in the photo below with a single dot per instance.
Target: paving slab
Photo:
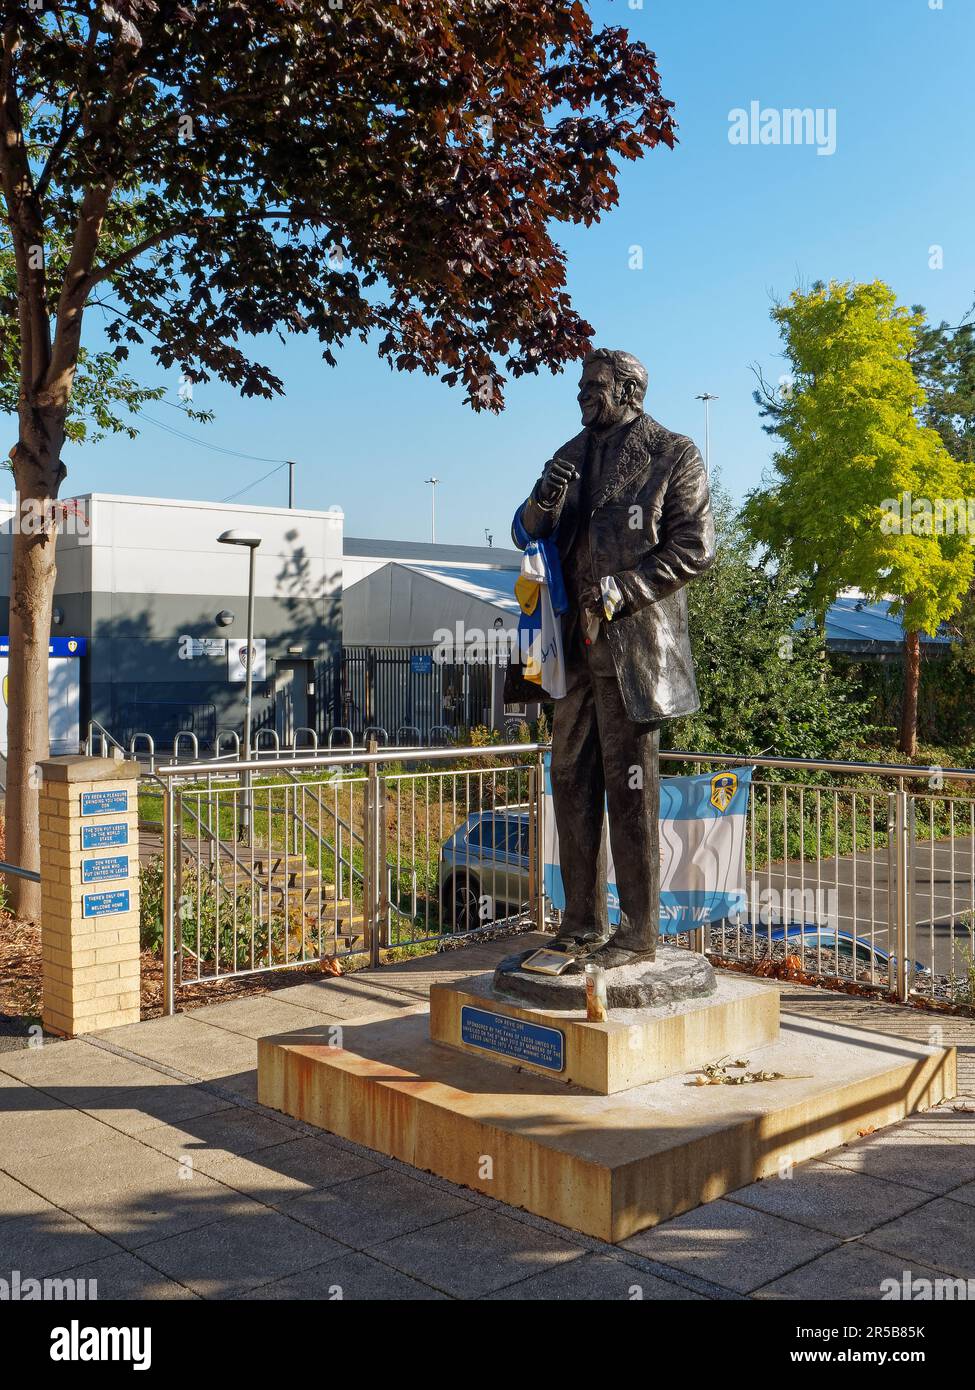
(940, 1234)
(189, 1046)
(228, 1257)
(39, 1063)
(278, 1174)
(18, 1200)
(476, 1254)
(347, 1278)
(33, 1124)
(345, 998)
(125, 1276)
(48, 1242)
(231, 1131)
(594, 1279)
(928, 1162)
(853, 1270)
(257, 1016)
(364, 1211)
(130, 1192)
(732, 1245)
(122, 1092)
(831, 1198)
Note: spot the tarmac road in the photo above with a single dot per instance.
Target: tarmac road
(853, 892)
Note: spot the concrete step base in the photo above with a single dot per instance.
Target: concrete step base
(605, 1165)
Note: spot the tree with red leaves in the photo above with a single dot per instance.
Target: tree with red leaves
(203, 174)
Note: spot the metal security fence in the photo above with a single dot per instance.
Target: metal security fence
(411, 687)
(853, 871)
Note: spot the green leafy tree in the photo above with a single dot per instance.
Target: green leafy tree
(864, 494)
(944, 363)
(765, 681)
(209, 173)
(943, 360)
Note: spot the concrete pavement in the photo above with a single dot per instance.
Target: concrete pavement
(140, 1158)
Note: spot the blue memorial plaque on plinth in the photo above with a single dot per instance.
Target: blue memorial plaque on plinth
(97, 870)
(104, 803)
(103, 904)
(104, 836)
(513, 1037)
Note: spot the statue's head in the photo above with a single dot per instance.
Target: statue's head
(612, 388)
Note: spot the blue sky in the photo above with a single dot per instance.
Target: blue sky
(723, 229)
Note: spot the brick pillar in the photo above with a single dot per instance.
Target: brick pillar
(89, 893)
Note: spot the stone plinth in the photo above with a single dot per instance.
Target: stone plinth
(675, 975)
(605, 1165)
(633, 1047)
(89, 893)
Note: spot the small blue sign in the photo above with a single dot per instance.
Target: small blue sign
(513, 1037)
(104, 803)
(104, 836)
(103, 904)
(421, 663)
(96, 870)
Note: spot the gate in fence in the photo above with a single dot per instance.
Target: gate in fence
(392, 687)
(319, 857)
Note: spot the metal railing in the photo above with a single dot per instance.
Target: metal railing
(289, 861)
(854, 871)
(849, 881)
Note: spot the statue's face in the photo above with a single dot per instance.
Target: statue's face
(602, 402)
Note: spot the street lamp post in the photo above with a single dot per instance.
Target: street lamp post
(707, 398)
(251, 542)
(433, 508)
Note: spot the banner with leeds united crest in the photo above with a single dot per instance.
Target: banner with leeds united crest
(702, 850)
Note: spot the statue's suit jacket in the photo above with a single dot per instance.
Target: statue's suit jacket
(651, 527)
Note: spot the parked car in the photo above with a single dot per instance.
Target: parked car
(484, 869)
(809, 934)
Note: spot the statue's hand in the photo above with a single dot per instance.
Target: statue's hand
(556, 477)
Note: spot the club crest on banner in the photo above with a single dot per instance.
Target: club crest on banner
(723, 788)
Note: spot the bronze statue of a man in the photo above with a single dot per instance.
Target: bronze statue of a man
(626, 503)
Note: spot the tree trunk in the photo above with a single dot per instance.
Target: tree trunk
(38, 473)
(912, 680)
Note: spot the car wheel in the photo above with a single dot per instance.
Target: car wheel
(461, 904)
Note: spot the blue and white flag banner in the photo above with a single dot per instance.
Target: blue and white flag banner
(702, 850)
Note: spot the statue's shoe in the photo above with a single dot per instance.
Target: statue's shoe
(580, 943)
(610, 956)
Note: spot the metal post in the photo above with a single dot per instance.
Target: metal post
(904, 896)
(538, 858)
(707, 398)
(169, 905)
(384, 917)
(291, 484)
(433, 508)
(371, 864)
(249, 696)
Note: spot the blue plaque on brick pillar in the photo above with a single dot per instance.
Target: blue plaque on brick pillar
(104, 904)
(104, 836)
(98, 870)
(104, 803)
